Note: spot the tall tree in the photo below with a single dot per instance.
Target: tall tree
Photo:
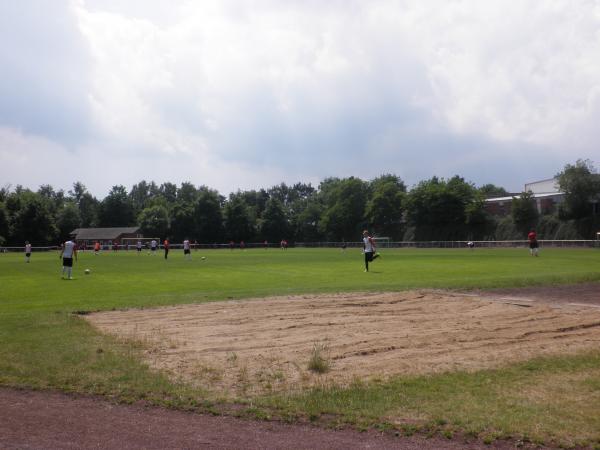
(524, 212)
(274, 225)
(116, 209)
(344, 212)
(33, 221)
(154, 221)
(208, 216)
(490, 191)
(238, 225)
(384, 209)
(581, 184)
(437, 208)
(3, 224)
(67, 220)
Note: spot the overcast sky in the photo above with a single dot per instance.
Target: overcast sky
(247, 94)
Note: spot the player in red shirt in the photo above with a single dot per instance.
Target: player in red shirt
(166, 247)
(533, 243)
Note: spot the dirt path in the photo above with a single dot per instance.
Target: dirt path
(47, 420)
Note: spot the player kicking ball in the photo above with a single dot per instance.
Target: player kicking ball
(369, 249)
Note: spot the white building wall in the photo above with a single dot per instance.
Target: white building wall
(543, 187)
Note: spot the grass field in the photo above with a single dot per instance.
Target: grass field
(43, 345)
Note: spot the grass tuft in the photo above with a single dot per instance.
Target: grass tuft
(319, 362)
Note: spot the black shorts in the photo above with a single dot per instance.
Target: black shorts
(139, 249)
(186, 251)
(153, 249)
(533, 244)
(68, 262)
(369, 256)
(28, 254)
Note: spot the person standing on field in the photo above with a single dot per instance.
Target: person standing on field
(166, 246)
(27, 251)
(153, 245)
(369, 249)
(138, 247)
(186, 249)
(67, 253)
(533, 243)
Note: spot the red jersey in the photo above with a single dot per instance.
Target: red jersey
(532, 236)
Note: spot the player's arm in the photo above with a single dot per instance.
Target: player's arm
(62, 250)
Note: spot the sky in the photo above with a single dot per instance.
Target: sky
(248, 94)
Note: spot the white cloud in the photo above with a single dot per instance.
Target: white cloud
(247, 94)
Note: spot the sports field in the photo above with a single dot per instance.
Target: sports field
(436, 370)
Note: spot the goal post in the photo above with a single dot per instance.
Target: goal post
(382, 241)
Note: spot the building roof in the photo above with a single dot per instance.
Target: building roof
(506, 199)
(103, 233)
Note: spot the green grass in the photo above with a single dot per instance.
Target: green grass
(43, 345)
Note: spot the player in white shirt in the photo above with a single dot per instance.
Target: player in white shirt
(186, 249)
(27, 251)
(153, 246)
(369, 249)
(67, 253)
(138, 246)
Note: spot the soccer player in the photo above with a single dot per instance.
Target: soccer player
(242, 245)
(369, 249)
(153, 245)
(138, 247)
(96, 248)
(533, 243)
(27, 251)
(186, 249)
(166, 247)
(67, 253)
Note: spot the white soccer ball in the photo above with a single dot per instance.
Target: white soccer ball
(87, 271)
(204, 257)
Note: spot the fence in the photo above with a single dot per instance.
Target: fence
(329, 244)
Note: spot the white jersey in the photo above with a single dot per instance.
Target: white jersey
(139, 244)
(68, 249)
(186, 245)
(153, 244)
(369, 247)
(27, 248)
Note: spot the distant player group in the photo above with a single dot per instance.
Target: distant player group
(68, 251)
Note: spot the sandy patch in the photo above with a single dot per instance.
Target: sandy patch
(254, 346)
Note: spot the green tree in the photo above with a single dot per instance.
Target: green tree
(86, 203)
(116, 210)
(344, 201)
(67, 220)
(581, 185)
(306, 220)
(3, 224)
(437, 209)
(208, 216)
(154, 221)
(33, 221)
(491, 191)
(384, 209)
(274, 225)
(238, 224)
(187, 193)
(524, 212)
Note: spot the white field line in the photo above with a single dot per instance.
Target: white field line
(585, 304)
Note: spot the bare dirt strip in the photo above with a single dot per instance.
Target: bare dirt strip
(255, 346)
(48, 420)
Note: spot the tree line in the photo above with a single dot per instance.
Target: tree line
(337, 209)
